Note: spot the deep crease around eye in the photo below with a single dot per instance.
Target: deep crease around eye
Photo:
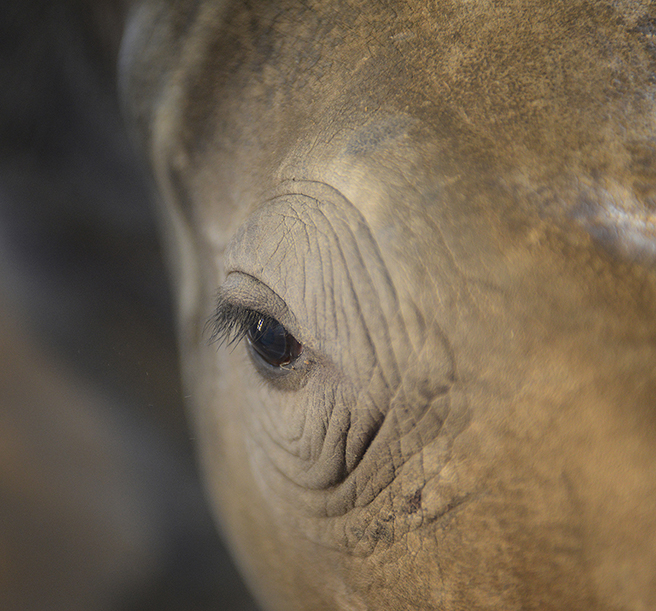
(272, 342)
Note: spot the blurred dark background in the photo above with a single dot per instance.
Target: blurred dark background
(100, 503)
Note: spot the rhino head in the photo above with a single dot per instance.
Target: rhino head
(422, 237)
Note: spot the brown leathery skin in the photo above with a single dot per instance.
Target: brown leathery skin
(453, 201)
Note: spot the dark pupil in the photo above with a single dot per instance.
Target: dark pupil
(272, 342)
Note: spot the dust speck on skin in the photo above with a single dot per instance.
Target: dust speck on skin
(414, 502)
(647, 29)
(382, 533)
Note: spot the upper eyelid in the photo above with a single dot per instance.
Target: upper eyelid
(241, 297)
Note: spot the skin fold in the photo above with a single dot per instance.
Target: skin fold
(450, 206)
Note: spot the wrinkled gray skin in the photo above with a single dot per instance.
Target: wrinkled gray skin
(451, 206)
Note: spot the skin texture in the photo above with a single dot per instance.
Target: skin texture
(451, 206)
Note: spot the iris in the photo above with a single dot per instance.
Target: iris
(272, 342)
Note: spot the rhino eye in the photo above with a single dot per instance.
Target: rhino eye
(272, 342)
(238, 316)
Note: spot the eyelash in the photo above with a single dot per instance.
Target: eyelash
(270, 343)
(230, 323)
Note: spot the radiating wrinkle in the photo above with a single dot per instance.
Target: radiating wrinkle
(364, 416)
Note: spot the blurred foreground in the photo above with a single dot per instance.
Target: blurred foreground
(100, 505)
